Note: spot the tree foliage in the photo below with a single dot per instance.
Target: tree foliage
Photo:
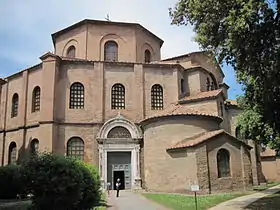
(11, 184)
(245, 34)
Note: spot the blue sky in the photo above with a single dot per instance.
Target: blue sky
(26, 28)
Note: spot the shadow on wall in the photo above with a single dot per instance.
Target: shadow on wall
(23, 154)
(178, 153)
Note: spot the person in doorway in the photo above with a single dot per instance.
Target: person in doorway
(118, 185)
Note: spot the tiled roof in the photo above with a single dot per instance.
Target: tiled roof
(232, 102)
(200, 138)
(184, 55)
(268, 153)
(177, 109)
(202, 95)
(194, 140)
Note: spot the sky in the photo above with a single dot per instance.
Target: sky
(26, 28)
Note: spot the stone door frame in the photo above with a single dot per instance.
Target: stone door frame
(120, 145)
(135, 162)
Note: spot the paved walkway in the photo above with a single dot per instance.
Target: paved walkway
(241, 202)
(129, 200)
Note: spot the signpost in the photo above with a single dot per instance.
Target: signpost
(195, 188)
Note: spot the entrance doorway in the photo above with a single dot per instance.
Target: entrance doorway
(119, 166)
(119, 175)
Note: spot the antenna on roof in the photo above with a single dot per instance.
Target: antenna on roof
(107, 17)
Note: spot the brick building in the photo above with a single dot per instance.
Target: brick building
(105, 96)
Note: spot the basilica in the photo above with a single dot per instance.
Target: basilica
(106, 96)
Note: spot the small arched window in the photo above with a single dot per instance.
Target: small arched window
(75, 148)
(148, 56)
(207, 84)
(118, 96)
(71, 52)
(183, 89)
(36, 99)
(223, 163)
(34, 146)
(111, 51)
(77, 96)
(12, 155)
(15, 102)
(119, 132)
(157, 97)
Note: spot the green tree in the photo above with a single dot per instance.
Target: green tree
(245, 34)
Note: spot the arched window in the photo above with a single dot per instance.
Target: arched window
(157, 97)
(34, 146)
(111, 51)
(75, 148)
(15, 101)
(183, 89)
(223, 163)
(118, 96)
(119, 132)
(36, 99)
(147, 56)
(207, 84)
(77, 97)
(71, 52)
(12, 155)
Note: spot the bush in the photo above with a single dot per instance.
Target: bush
(10, 181)
(60, 183)
(90, 185)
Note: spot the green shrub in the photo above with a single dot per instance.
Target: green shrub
(10, 181)
(58, 182)
(90, 186)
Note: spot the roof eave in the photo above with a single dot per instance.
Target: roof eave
(155, 118)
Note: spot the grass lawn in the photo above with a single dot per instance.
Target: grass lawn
(265, 186)
(183, 202)
(270, 202)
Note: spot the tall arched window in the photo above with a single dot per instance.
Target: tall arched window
(77, 96)
(119, 132)
(34, 146)
(223, 163)
(118, 96)
(147, 56)
(207, 84)
(183, 89)
(111, 51)
(71, 52)
(36, 99)
(12, 155)
(15, 101)
(156, 97)
(75, 148)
